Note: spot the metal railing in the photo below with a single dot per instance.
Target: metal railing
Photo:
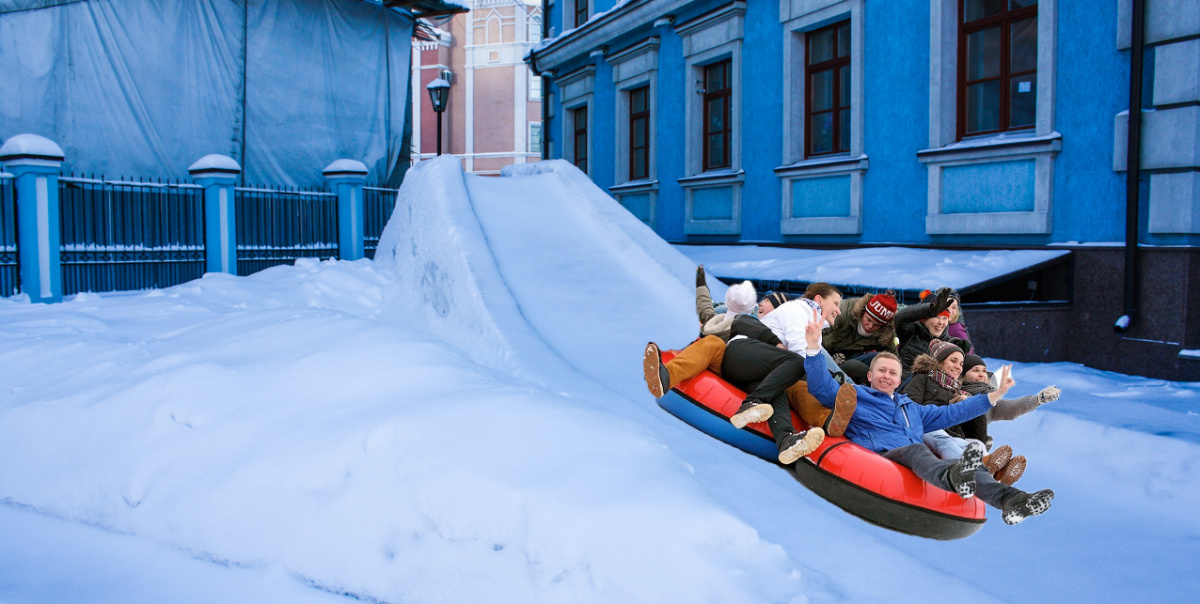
(378, 203)
(120, 235)
(10, 277)
(278, 226)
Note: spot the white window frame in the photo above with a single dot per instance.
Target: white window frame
(800, 17)
(708, 39)
(576, 90)
(945, 150)
(529, 141)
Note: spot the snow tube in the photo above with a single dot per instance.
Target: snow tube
(859, 481)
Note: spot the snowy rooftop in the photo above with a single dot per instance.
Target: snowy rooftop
(876, 268)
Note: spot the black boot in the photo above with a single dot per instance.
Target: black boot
(962, 473)
(1027, 505)
(751, 412)
(798, 444)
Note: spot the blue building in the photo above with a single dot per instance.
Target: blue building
(940, 123)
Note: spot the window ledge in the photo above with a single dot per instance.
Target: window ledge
(714, 178)
(822, 165)
(634, 186)
(1000, 145)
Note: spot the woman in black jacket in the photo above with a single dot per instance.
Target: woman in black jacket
(919, 324)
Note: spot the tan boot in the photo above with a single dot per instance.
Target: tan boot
(843, 409)
(1012, 471)
(996, 460)
(657, 378)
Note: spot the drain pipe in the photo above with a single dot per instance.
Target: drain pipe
(1133, 165)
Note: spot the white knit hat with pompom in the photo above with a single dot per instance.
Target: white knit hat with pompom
(740, 298)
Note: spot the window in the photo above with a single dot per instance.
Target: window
(580, 117)
(535, 29)
(998, 59)
(828, 90)
(639, 133)
(535, 87)
(535, 137)
(718, 128)
(581, 12)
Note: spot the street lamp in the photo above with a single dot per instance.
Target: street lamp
(439, 93)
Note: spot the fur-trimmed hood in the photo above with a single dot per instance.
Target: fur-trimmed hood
(924, 363)
(886, 334)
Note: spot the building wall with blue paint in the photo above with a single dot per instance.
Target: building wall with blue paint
(909, 176)
(1091, 76)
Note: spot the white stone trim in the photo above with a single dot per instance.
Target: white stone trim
(809, 15)
(1008, 148)
(576, 90)
(649, 188)
(706, 40)
(632, 68)
(729, 179)
(945, 150)
(1174, 203)
(823, 167)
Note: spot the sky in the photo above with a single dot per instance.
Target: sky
(464, 419)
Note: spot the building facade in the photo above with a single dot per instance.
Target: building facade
(494, 115)
(938, 123)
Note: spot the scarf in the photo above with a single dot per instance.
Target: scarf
(977, 387)
(945, 381)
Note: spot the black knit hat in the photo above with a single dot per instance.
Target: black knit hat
(970, 361)
(776, 299)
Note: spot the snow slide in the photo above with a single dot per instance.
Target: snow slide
(508, 258)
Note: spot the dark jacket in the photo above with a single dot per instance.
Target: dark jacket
(914, 337)
(881, 422)
(925, 390)
(844, 339)
(751, 327)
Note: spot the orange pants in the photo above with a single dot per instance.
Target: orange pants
(706, 353)
(807, 406)
(709, 352)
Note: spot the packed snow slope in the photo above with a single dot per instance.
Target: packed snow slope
(464, 420)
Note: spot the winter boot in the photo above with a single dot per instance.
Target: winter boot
(962, 473)
(657, 378)
(996, 460)
(1026, 505)
(799, 444)
(1013, 471)
(843, 409)
(751, 412)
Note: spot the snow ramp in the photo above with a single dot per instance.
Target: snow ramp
(538, 272)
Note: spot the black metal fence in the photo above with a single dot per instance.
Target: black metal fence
(378, 203)
(122, 235)
(277, 226)
(9, 274)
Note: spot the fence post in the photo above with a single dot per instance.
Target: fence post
(217, 174)
(347, 176)
(34, 161)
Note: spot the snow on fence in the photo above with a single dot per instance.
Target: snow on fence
(95, 234)
(129, 235)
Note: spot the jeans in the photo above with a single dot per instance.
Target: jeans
(918, 458)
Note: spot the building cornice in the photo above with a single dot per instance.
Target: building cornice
(600, 30)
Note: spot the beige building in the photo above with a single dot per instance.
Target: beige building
(494, 116)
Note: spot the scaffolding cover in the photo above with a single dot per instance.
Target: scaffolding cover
(145, 88)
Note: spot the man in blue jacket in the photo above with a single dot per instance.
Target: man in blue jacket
(891, 424)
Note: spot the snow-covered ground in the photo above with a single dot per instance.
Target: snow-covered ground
(464, 420)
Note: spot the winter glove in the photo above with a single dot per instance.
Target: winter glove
(700, 282)
(943, 300)
(839, 358)
(1048, 394)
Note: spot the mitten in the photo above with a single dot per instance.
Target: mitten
(700, 282)
(1048, 394)
(839, 358)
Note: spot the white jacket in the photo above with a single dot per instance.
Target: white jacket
(789, 321)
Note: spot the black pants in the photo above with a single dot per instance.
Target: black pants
(766, 372)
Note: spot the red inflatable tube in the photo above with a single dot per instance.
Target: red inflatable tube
(859, 481)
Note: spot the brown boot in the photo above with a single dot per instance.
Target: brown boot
(843, 409)
(658, 380)
(996, 460)
(1012, 471)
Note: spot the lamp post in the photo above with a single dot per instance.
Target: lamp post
(439, 93)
